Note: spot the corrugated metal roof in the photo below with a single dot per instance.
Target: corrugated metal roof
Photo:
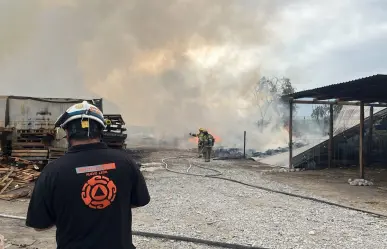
(368, 89)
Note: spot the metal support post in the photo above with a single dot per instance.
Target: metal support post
(330, 145)
(361, 142)
(290, 134)
(244, 144)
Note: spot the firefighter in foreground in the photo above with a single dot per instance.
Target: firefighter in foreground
(88, 193)
(206, 141)
(199, 135)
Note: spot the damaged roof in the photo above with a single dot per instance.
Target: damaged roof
(369, 90)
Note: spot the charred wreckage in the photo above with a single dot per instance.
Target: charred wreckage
(222, 153)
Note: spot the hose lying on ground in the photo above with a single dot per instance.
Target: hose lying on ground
(266, 189)
(169, 237)
(217, 176)
(217, 172)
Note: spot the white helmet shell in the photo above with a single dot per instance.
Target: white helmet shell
(82, 110)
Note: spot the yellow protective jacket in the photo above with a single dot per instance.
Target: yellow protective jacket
(207, 140)
(199, 135)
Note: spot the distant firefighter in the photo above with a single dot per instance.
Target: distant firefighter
(199, 135)
(206, 141)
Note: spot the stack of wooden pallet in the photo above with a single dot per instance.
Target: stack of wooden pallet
(114, 135)
(32, 154)
(32, 144)
(55, 153)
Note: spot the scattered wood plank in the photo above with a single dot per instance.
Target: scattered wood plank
(13, 196)
(16, 177)
(30, 151)
(6, 186)
(7, 175)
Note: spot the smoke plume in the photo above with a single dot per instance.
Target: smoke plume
(172, 65)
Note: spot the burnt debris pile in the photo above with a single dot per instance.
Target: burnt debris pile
(279, 150)
(237, 153)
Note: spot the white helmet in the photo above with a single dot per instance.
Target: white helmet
(83, 111)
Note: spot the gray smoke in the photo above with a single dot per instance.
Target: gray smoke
(173, 65)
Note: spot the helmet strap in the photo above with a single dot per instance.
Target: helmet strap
(88, 121)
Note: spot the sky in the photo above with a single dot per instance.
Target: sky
(179, 58)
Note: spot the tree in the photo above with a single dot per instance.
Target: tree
(268, 92)
(321, 112)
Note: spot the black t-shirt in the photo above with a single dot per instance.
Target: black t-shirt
(88, 194)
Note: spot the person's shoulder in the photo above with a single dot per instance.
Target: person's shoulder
(120, 155)
(117, 152)
(55, 166)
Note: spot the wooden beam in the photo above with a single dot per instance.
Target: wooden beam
(361, 140)
(330, 145)
(290, 134)
(326, 102)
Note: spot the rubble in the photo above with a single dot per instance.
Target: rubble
(279, 150)
(283, 170)
(360, 182)
(16, 174)
(228, 153)
(237, 153)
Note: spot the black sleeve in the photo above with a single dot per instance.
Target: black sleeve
(40, 213)
(140, 195)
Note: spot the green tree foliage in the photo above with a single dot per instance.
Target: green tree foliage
(268, 92)
(320, 113)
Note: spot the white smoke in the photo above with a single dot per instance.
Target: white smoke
(173, 65)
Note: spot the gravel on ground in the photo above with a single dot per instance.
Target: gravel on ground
(219, 210)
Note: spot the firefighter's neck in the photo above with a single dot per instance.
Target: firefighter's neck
(75, 142)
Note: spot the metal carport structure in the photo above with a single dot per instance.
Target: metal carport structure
(368, 91)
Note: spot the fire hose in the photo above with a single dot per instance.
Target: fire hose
(176, 237)
(169, 237)
(217, 176)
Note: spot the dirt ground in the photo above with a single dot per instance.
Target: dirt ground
(329, 184)
(332, 184)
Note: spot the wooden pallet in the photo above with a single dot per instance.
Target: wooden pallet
(55, 153)
(29, 153)
(33, 139)
(29, 145)
(34, 155)
(3, 129)
(34, 135)
(35, 131)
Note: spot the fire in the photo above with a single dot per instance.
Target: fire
(193, 140)
(196, 139)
